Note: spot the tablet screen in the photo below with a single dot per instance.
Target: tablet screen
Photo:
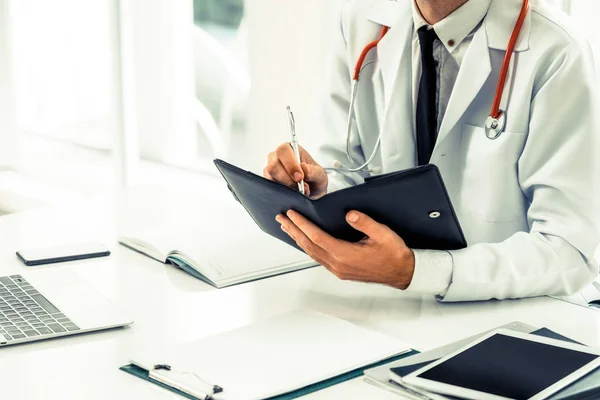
(508, 366)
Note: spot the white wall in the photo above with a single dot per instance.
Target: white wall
(289, 48)
(586, 13)
(158, 51)
(7, 110)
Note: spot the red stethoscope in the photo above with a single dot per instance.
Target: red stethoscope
(494, 125)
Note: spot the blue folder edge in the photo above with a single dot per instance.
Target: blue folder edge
(143, 374)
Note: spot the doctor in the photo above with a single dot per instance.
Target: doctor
(526, 199)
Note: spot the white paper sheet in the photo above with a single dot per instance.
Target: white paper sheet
(278, 355)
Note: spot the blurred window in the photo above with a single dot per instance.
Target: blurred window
(61, 64)
(222, 12)
(221, 75)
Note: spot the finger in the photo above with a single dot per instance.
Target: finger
(314, 251)
(276, 169)
(329, 261)
(316, 257)
(267, 175)
(279, 174)
(313, 173)
(317, 235)
(306, 189)
(273, 164)
(305, 157)
(367, 225)
(287, 158)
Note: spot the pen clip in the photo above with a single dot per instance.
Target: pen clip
(294, 143)
(291, 121)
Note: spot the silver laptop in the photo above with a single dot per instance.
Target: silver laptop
(44, 306)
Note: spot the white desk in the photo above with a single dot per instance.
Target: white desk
(170, 306)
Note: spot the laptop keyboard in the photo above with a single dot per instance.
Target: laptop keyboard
(25, 313)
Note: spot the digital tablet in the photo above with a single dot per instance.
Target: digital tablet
(507, 365)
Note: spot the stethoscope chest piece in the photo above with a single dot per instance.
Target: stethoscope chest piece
(495, 126)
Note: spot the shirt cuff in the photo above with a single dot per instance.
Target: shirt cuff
(433, 272)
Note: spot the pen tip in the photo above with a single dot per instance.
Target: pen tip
(288, 108)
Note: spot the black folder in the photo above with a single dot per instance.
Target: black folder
(414, 203)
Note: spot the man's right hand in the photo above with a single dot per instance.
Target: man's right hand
(283, 167)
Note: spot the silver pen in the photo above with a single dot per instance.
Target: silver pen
(294, 143)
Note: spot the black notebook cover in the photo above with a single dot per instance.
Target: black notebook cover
(414, 203)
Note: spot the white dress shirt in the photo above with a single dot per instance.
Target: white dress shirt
(455, 32)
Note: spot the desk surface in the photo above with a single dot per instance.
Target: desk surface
(170, 306)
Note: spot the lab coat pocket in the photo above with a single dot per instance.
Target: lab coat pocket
(490, 189)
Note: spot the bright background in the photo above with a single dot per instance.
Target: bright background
(101, 94)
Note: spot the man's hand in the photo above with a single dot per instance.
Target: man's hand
(382, 257)
(283, 167)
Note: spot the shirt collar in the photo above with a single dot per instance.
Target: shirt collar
(457, 26)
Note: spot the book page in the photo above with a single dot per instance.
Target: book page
(215, 233)
(144, 248)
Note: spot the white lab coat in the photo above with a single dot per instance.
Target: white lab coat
(526, 201)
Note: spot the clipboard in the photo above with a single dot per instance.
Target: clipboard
(143, 373)
(280, 357)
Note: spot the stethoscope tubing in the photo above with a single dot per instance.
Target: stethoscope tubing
(495, 123)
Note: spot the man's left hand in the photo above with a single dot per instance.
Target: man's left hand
(381, 257)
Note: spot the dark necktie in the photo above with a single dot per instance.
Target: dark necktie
(426, 102)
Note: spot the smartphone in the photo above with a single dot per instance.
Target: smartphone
(62, 253)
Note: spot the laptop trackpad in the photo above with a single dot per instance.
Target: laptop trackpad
(75, 298)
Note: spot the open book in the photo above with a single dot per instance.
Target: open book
(214, 240)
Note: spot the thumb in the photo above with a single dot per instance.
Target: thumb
(365, 224)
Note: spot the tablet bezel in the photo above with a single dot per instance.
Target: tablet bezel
(443, 388)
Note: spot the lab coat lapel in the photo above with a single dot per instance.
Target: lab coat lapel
(476, 67)
(394, 56)
(395, 46)
(474, 72)
(500, 21)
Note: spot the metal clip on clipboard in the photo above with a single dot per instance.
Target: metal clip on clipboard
(207, 394)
